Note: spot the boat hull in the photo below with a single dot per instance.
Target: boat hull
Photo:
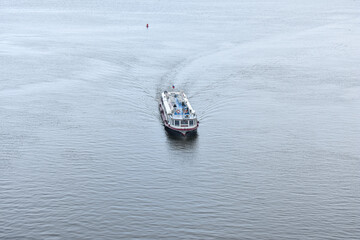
(179, 132)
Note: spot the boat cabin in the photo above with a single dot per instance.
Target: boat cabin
(178, 110)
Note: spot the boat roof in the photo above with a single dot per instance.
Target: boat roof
(178, 105)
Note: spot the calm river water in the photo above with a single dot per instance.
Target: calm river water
(83, 153)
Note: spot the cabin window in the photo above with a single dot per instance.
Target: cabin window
(184, 122)
(176, 122)
(191, 122)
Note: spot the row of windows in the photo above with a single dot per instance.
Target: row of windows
(183, 122)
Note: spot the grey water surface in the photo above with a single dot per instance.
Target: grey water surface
(83, 153)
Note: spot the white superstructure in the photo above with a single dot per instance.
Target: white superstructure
(177, 112)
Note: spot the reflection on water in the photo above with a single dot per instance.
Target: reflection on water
(182, 149)
(180, 142)
(188, 137)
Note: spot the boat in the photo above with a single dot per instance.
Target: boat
(177, 114)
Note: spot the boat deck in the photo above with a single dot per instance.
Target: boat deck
(177, 104)
(177, 113)
(180, 107)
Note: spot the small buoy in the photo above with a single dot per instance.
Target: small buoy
(147, 25)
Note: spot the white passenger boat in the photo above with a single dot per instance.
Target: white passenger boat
(177, 114)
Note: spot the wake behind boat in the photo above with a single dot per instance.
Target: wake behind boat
(177, 114)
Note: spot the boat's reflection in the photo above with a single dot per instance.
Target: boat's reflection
(179, 142)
